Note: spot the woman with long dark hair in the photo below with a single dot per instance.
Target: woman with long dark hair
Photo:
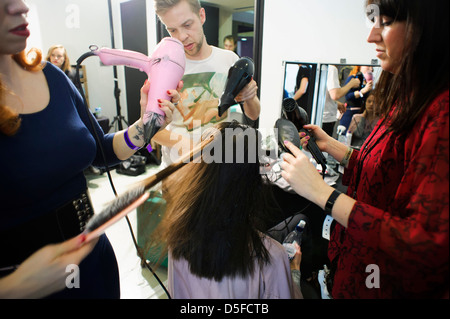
(215, 225)
(392, 236)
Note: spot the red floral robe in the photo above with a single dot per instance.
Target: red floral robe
(399, 226)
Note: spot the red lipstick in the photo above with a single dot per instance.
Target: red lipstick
(21, 30)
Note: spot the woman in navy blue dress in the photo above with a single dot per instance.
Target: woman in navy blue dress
(47, 140)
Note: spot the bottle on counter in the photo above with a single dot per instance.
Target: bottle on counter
(348, 138)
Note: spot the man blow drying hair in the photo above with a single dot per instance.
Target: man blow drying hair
(204, 80)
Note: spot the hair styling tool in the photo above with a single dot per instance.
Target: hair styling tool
(287, 132)
(239, 75)
(368, 76)
(132, 199)
(299, 118)
(114, 212)
(129, 199)
(135, 197)
(164, 68)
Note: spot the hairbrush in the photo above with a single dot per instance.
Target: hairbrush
(135, 197)
(119, 208)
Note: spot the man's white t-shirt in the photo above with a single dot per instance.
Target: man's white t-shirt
(330, 108)
(204, 83)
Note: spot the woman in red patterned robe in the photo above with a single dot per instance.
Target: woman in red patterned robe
(392, 236)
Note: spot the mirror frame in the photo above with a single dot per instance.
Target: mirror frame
(258, 42)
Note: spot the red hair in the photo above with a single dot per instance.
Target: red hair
(9, 119)
(355, 70)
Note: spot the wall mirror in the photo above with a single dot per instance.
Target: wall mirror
(241, 18)
(237, 18)
(130, 25)
(316, 74)
(223, 18)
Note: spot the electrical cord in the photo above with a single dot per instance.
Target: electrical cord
(108, 170)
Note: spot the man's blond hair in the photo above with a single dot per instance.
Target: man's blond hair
(162, 6)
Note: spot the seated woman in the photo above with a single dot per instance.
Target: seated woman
(214, 228)
(363, 124)
(356, 97)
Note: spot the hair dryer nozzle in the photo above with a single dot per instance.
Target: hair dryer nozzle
(225, 102)
(298, 116)
(239, 75)
(286, 131)
(294, 113)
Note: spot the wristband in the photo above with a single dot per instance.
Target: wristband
(347, 157)
(328, 226)
(331, 200)
(129, 143)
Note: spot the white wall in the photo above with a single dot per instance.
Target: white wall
(308, 31)
(225, 24)
(76, 24)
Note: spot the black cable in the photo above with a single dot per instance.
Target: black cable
(108, 170)
(143, 260)
(88, 111)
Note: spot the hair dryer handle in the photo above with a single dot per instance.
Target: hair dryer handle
(315, 150)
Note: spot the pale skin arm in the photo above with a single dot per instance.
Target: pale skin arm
(325, 143)
(303, 177)
(136, 131)
(170, 139)
(302, 90)
(297, 260)
(252, 105)
(365, 90)
(341, 107)
(338, 93)
(44, 272)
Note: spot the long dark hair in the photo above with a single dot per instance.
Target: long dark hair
(217, 213)
(423, 73)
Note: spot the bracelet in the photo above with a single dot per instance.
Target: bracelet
(129, 143)
(331, 200)
(347, 157)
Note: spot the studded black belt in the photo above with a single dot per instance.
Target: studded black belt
(68, 221)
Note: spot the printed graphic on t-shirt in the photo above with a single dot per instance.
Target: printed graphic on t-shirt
(199, 100)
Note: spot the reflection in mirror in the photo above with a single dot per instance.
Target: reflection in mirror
(299, 82)
(235, 18)
(335, 95)
(241, 19)
(227, 18)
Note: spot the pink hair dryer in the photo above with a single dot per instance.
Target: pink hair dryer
(164, 68)
(368, 76)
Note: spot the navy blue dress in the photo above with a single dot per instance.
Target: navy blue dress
(41, 168)
(354, 105)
